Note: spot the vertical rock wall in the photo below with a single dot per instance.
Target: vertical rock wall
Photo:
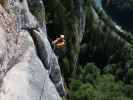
(29, 68)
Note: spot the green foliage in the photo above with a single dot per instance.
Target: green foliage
(110, 75)
(66, 69)
(103, 41)
(106, 88)
(130, 75)
(88, 73)
(91, 85)
(80, 91)
(111, 68)
(128, 90)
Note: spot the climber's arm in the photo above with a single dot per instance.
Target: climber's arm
(56, 41)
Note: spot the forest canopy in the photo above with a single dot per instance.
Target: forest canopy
(97, 60)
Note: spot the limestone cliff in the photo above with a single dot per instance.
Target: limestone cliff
(29, 69)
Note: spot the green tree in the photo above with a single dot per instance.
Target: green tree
(130, 75)
(92, 36)
(106, 88)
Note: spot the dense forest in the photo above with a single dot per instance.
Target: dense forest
(97, 59)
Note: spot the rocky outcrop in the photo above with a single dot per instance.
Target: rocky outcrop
(29, 68)
(120, 11)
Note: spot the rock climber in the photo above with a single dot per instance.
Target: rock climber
(58, 45)
(59, 42)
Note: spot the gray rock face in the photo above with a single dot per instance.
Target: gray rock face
(24, 18)
(38, 10)
(48, 58)
(27, 79)
(29, 69)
